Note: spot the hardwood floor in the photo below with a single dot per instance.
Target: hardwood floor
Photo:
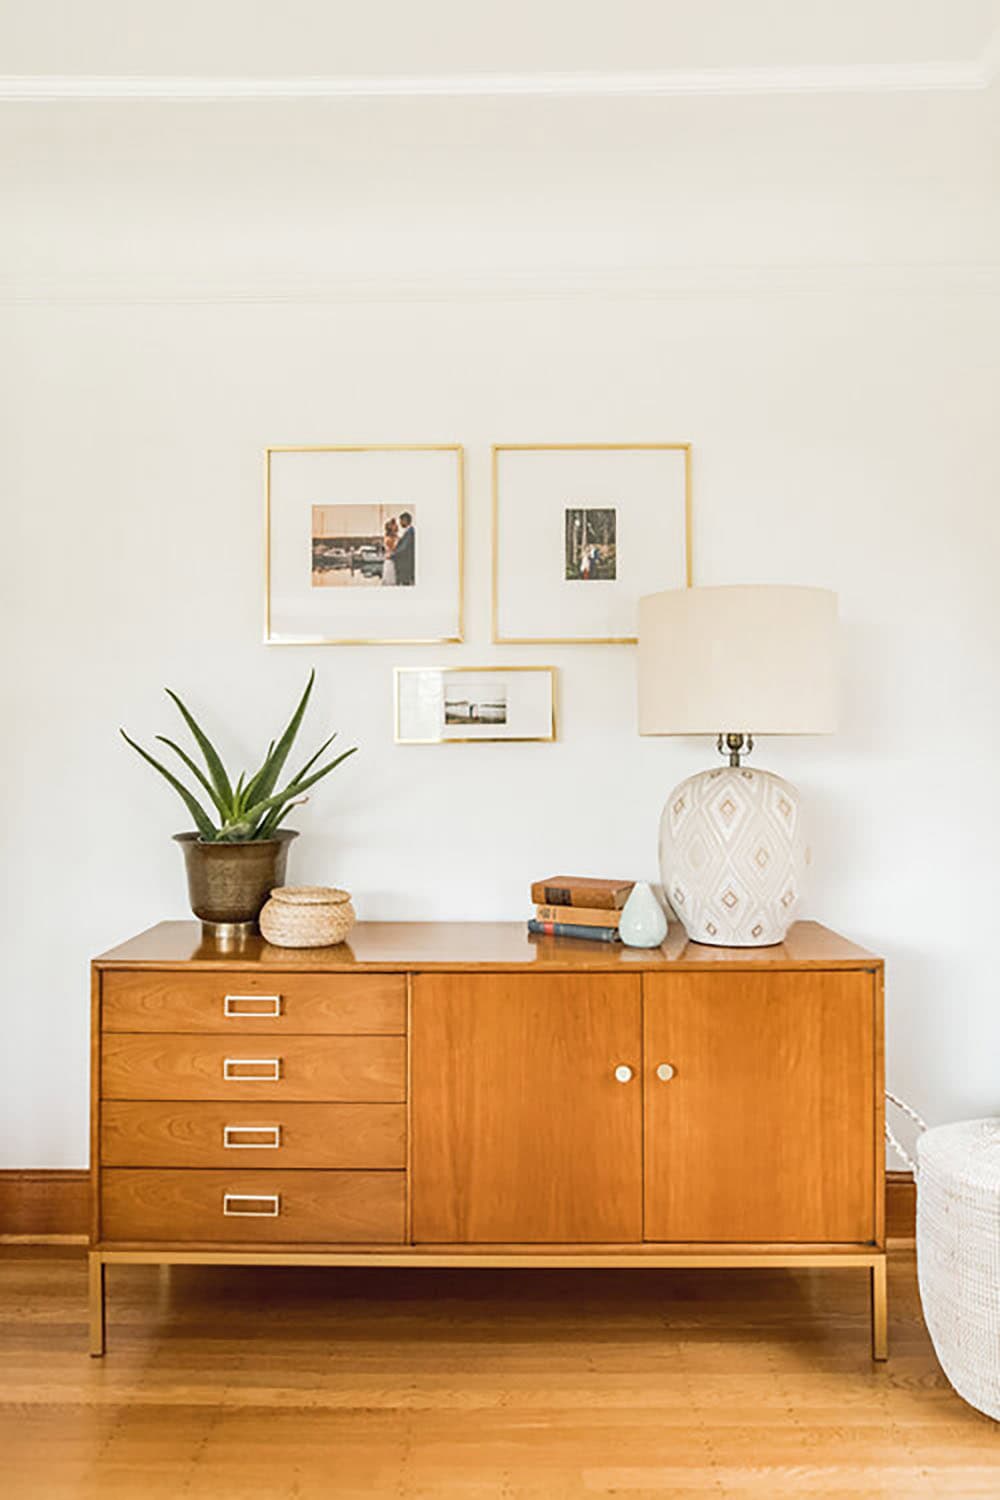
(240, 1384)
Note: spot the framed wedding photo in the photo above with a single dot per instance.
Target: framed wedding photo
(459, 705)
(580, 532)
(364, 545)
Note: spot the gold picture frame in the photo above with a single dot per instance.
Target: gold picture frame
(498, 449)
(308, 639)
(469, 739)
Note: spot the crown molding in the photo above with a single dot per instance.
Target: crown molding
(958, 76)
(226, 288)
(862, 78)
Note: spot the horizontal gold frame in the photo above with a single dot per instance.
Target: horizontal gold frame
(321, 640)
(479, 739)
(576, 640)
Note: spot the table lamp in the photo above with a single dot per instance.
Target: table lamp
(736, 663)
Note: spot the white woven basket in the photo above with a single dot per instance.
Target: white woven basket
(958, 1251)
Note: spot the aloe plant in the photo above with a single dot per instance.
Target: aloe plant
(251, 808)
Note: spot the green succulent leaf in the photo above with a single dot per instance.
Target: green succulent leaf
(262, 785)
(196, 771)
(203, 822)
(312, 760)
(252, 814)
(251, 787)
(237, 832)
(273, 821)
(250, 809)
(216, 769)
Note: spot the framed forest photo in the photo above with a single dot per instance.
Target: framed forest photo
(364, 545)
(580, 532)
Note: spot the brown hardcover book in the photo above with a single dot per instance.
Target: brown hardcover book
(581, 890)
(583, 916)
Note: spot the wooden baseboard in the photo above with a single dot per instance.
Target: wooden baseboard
(900, 1208)
(52, 1207)
(44, 1207)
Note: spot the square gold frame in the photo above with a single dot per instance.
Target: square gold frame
(317, 640)
(479, 739)
(579, 640)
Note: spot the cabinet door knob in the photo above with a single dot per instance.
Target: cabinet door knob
(665, 1072)
(623, 1073)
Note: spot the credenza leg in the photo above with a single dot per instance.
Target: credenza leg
(97, 1289)
(880, 1309)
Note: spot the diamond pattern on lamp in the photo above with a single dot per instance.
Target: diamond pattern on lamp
(729, 811)
(733, 856)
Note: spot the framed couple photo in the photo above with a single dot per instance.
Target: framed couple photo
(580, 532)
(364, 545)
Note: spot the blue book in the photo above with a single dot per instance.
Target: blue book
(573, 930)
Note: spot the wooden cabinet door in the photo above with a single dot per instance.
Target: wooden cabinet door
(766, 1130)
(521, 1132)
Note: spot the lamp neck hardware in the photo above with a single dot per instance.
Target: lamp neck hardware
(735, 746)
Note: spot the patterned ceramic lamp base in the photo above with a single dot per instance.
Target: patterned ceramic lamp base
(733, 856)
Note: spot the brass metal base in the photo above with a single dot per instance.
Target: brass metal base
(222, 930)
(229, 934)
(872, 1260)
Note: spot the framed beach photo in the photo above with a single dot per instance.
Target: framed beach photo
(580, 532)
(364, 545)
(459, 705)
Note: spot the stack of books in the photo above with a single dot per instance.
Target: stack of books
(578, 906)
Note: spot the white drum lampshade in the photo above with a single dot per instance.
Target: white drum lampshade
(736, 663)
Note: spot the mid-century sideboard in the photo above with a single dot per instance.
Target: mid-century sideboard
(465, 1095)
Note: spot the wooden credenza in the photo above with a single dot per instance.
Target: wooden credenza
(463, 1094)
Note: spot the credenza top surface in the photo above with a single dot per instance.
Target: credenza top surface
(414, 946)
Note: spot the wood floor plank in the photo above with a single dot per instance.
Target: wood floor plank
(241, 1384)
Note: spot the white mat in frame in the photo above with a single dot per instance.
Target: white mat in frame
(460, 705)
(327, 511)
(580, 532)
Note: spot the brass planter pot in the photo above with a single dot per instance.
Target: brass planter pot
(229, 883)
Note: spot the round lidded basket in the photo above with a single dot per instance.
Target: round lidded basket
(307, 916)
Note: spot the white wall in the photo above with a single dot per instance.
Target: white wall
(843, 419)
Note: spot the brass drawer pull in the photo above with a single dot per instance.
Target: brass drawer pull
(271, 1006)
(231, 1132)
(230, 1064)
(271, 1211)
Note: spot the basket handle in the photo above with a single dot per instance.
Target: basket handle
(891, 1138)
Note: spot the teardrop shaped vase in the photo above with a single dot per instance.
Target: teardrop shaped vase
(643, 922)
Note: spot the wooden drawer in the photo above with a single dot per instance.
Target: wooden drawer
(139, 1134)
(258, 1004)
(250, 1207)
(364, 1069)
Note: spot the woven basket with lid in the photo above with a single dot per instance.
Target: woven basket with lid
(307, 916)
